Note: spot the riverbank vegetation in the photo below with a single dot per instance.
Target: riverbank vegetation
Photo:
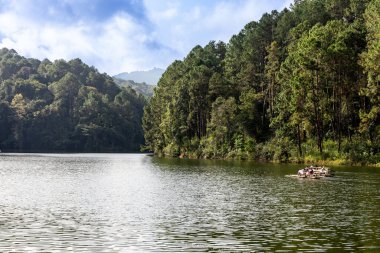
(300, 85)
(65, 106)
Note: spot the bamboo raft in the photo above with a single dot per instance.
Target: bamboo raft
(314, 172)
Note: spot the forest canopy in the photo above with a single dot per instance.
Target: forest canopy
(65, 106)
(297, 85)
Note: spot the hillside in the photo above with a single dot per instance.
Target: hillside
(150, 77)
(141, 88)
(65, 106)
(298, 85)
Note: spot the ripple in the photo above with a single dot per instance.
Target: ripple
(134, 203)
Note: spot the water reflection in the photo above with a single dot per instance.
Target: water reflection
(137, 203)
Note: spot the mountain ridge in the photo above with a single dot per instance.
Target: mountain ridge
(150, 77)
(141, 88)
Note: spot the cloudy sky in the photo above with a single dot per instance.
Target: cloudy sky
(123, 35)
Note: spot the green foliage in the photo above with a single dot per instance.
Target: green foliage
(65, 106)
(362, 151)
(141, 88)
(279, 149)
(370, 114)
(299, 85)
(221, 127)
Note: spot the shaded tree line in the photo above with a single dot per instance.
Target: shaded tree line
(65, 106)
(297, 85)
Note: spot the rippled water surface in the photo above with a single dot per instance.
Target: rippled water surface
(139, 203)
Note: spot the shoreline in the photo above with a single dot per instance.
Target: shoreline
(337, 162)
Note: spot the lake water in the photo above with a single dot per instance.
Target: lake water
(139, 203)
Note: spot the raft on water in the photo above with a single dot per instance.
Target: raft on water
(314, 172)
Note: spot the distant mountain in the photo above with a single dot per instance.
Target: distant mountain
(141, 88)
(149, 77)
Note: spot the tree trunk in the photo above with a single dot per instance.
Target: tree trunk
(317, 114)
(299, 140)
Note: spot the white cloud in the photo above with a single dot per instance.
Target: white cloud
(204, 20)
(121, 42)
(169, 13)
(287, 4)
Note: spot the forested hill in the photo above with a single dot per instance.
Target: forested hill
(140, 88)
(65, 106)
(297, 85)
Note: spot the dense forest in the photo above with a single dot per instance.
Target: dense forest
(65, 106)
(300, 85)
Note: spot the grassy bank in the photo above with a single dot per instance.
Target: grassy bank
(352, 151)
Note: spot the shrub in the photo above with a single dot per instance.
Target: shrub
(362, 151)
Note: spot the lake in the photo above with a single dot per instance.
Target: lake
(140, 203)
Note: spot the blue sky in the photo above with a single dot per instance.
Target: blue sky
(123, 35)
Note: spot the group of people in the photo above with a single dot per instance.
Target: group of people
(315, 172)
(310, 170)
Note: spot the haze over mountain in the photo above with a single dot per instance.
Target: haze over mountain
(141, 88)
(149, 77)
